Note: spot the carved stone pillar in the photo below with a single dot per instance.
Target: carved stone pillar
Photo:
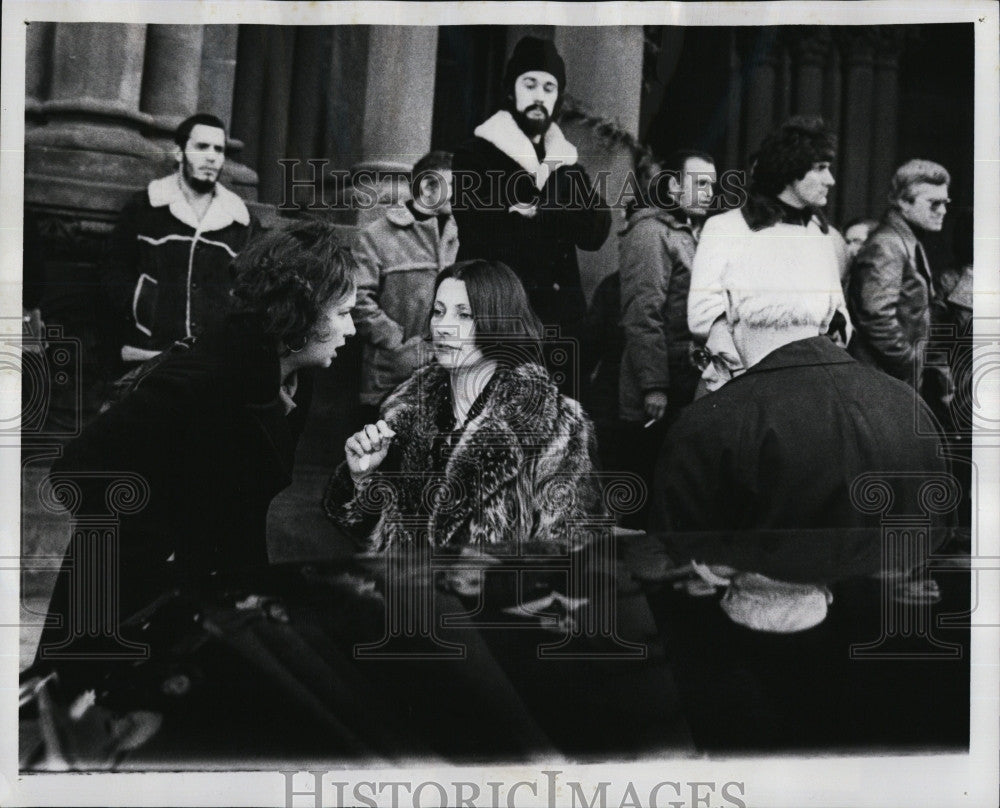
(734, 148)
(856, 143)
(218, 71)
(399, 105)
(810, 49)
(173, 69)
(603, 74)
(604, 70)
(885, 116)
(759, 55)
(832, 90)
(216, 83)
(40, 37)
(89, 155)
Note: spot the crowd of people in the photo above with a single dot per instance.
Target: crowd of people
(749, 367)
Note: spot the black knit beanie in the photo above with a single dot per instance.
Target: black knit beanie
(532, 53)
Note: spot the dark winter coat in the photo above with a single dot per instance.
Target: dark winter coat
(779, 448)
(498, 168)
(794, 470)
(168, 274)
(209, 433)
(890, 295)
(656, 255)
(521, 470)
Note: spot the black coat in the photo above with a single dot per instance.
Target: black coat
(541, 250)
(779, 449)
(890, 294)
(783, 449)
(209, 433)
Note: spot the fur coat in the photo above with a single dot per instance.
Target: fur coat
(521, 469)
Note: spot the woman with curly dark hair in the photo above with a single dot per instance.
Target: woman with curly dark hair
(478, 446)
(207, 435)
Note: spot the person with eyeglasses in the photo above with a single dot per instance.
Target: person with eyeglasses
(717, 360)
(892, 290)
(760, 491)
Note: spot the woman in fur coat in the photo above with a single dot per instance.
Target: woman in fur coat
(478, 446)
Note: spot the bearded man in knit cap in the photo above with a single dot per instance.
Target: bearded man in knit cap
(522, 198)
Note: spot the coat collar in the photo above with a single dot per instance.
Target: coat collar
(400, 216)
(898, 222)
(502, 131)
(914, 247)
(761, 212)
(801, 353)
(225, 208)
(661, 215)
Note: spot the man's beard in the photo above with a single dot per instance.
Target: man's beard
(196, 184)
(532, 126)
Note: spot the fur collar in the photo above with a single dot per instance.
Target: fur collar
(503, 132)
(226, 207)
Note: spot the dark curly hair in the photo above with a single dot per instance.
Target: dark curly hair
(183, 131)
(789, 152)
(287, 275)
(507, 328)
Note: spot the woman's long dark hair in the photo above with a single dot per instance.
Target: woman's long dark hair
(287, 275)
(507, 329)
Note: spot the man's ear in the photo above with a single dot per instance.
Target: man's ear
(177, 155)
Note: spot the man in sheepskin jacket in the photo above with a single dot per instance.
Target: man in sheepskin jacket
(167, 276)
(520, 471)
(522, 198)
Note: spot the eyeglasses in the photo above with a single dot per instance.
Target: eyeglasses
(933, 204)
(701, 358)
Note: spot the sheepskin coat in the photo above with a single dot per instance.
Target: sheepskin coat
(499, 168)
(521, 470)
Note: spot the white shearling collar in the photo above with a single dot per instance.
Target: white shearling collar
(226, 207)
(503, 132)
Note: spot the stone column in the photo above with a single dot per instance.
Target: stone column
(89, 155)
(759, 55)
(832, 92)
(885, 117)
(604, 70)
(218, 71)
(216, 83)
(38, 63)
(172, 72)
(735, 158)
(810, 49)
(856, 142)
(604, 75)
(399, 105)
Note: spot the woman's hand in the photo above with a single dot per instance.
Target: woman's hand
(366, 449)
